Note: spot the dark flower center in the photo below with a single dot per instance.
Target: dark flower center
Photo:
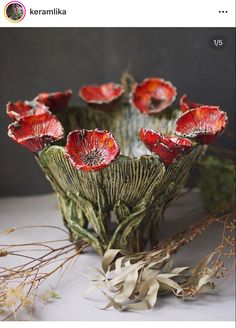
(155, 102)
(94, 157)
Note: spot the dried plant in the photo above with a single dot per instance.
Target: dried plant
(20, 283)
(135, 281)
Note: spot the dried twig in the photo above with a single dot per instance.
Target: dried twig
(19, 284)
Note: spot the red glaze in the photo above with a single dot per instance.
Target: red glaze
(56, 101)
(167, 148)
(91, 150)
(204, 124)
(186, 104)
(24, 108)
(105, 93)
(35, 132)
(153, 95)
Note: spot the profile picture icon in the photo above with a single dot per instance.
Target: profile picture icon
(15, 11)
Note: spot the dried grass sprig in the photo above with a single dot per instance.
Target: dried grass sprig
(133, 282)
(19, 284)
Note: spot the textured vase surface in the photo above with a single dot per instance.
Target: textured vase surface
(122, 205)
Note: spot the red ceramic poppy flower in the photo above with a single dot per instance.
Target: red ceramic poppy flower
(56, 101)
(91, 150)
(167, 148)
(35, 132)
(103, 94)
(153, 95)
(204, 124)
(23, 108)
(186, 104)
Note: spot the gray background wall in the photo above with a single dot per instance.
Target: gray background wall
(36, 60)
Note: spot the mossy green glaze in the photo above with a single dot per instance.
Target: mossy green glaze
(120, 206)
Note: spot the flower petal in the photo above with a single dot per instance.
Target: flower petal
(23, 108)
(56, 101)
(204, 124)
(153, 95)
(186, 104)
(91, 150)
(167, 148)
(35, 132)
(101, 94)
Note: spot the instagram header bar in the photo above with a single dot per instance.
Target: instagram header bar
(117, 13)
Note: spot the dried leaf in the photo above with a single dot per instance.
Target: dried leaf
(148, 273)
(116, 305)
(171, 284)
(99, 274)
(120, 278)
(128, 287)
(168, 266)
(118, 265)
(108, 258)
(9, 230)
(180, 270)
(202, 265)
(206, 288)
(149, 292)
(207, 278)
(161, 260)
